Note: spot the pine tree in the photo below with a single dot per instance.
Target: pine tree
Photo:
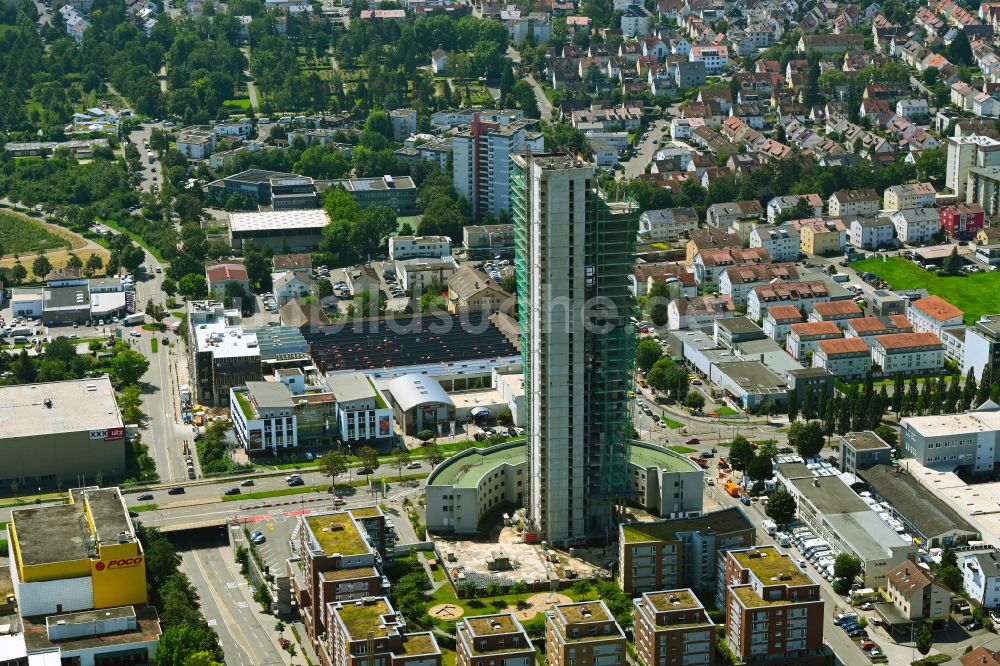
(897, 393)
(952, 397)
(969, 392)
(983, 394)
(793, 405)
(830, 416)
(844, 416)
(821, 407)
(808, 407)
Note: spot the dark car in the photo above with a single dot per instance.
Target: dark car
(297, 481)
(364, 471)
(176, 490)
(133, 514)
(973, 626)
(858, 633)
(145, 497)
(247, 482)
(233, 491)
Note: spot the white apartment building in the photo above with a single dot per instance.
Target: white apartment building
(666, 224)
(907, 353)
(408, 247)
(363, 413)
(782, 243)
(981, 576)
(846, 358)
(965, 152)
(871, 233)
(915, 225)
(931, 314)
(715, 57)
(848, 203)
(263, 417)
(404, 123)
(481, 158)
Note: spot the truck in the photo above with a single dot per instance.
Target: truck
(137, 318)
(732, 489)
(841, 277)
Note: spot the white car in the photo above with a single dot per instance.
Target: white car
(135, 334)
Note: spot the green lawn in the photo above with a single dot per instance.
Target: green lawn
(390, 477)
(976, 294)
(671, 423)
(681, 449)
(483, 605)
(145, 507)
(154, 345)
(241, 103)
(726, 410)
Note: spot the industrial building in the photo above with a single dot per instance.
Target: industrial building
(273, 189)
(682, 552)
(294, 230)
(79, 578)
(572, 244)
(395, 192)
(837, 514)
(60, 431)
(969, 440)
(479, 481)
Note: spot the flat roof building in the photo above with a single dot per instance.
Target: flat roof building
(223, 355)
(492, 640)
(296, 230)
(585, 631)
(970, 440)
(396, 192)
(671, 626)
(773, 609)
(682, 552)
(861, 450)
(60, 431)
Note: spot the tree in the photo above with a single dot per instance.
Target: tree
(128, 366)
(924, 638)
(658, 302)
(952, 263)
(74, 262)
(130, 402)
(193, 286)
(369, 458)
(668, 377)
(400, 460)
(807, 438)
(494, 590)
(179, 642)
(204, 658)
(169, 287)
(333, 464)
(94, 263)
(887, 433)
(435, 456)
(847, 567)
(18, 273)
(41, 266)
(781, 506)
(694, 400)
(647, 353)
(793, 405)
(740, 453)
(760, 468)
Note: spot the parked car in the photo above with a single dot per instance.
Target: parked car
(258, 537)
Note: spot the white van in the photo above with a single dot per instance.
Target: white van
(770, 527)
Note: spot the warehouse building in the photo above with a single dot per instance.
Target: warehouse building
(930, 520)
(967, 440)
(395, 192)
(837, 514)
(79, 578)
(60, 431)
(292, 230)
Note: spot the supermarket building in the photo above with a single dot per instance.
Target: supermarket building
(79, 578)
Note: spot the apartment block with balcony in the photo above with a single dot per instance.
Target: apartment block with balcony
(774, 612)
(672, 627)
(370, 631)
(583, 633)
(679, 553)
(492, 640)
(337, 557)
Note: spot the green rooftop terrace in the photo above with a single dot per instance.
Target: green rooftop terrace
(468, 468)
(337, 534)
(361, 617)
(771, 567)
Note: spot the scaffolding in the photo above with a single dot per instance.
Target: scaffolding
(609, 346)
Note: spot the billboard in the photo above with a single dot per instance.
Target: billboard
(384, 426)
(107, 434)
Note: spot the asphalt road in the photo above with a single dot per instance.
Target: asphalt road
(636, 166)
(247, 635)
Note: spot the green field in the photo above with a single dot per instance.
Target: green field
(976, 294)
(241, 103)
(21, 236)
(681, 449)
